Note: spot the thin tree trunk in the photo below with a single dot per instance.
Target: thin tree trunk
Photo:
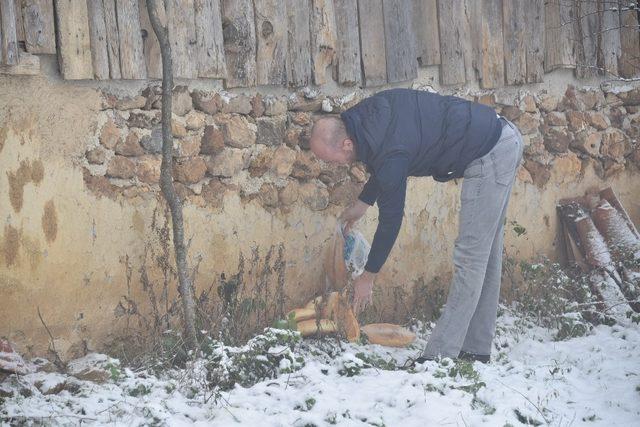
(166, 178)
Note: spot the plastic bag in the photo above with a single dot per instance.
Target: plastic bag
(344, 253)
(356, 252)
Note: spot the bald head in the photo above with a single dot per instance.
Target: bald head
(330, 141)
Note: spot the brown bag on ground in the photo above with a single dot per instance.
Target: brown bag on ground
(335, 269)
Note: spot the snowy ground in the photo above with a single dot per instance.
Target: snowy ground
(590, 380)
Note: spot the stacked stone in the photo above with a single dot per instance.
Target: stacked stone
(253, 145)
(563, 135)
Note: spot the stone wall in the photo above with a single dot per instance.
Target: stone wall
(81, 207)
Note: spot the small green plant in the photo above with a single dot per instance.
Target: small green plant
(139, 390)
(114, 371)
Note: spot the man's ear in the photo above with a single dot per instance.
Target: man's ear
(347, 144)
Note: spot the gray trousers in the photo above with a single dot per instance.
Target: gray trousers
(468, 319)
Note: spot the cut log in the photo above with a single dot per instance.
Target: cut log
(98, 32)
(210, 48)
(629, 64)
(610, 196)
(182, 34)
(402, 63)
(595, 249)
(610, 47)
(559, 17)
(534, 39)
(323, 39)
(348, 55)
(113, 38)
(298, 43)
(587, 31)
(271, 35)
(388, 334)
(238, 29)
(9, 48)
(613, 227)
(372, 42)
(150, 44)
(39, 30)
(605, 285)
(73, 40)
(425, 28)
(515, 36)
(455, 42)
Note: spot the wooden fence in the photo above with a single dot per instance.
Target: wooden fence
(301, 42)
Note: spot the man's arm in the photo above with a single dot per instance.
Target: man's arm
(391, 186)
(369, 192)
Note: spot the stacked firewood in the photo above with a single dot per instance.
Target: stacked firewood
(602, 240)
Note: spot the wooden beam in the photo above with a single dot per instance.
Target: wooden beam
(39, 30)
(534, 40)
(491, 54)
(238, 30)
(298, 43)
(150, 44)
(272, 38)
(454, 41)
(515, 54)
(425, 27)
(210, 46)
(73, 40)
(323, 39)
(182, 35)
(587, 31)
(132, 65)
(10, 50)
(348, 55)
(629, 64)
(559, 50)
(372, 42)
(402, 62)
(610, 46)
(113, 38)
(98, 30)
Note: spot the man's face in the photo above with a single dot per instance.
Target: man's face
(341, 152)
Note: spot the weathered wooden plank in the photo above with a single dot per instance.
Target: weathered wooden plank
(372, 43)
(534, 40)
(272, 38)
(28, 65)
(587, 28)
(425, 27)
(97, 30)
(73, 40)
(610, 48)
(452, 42)
(19, 23)
(298, 43)
(402, 62)
(491, 59)
(132, 65)
(323, 39)
(210, 47)
(182, 35)
(559, 17)
(10, 50)
(239, 42)
(629, 64)
(113, 38)
(39, 29)
(150, 44)
(348, 55)
(515, 53)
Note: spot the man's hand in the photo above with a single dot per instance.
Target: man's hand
(352, 214)
(362, 291)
